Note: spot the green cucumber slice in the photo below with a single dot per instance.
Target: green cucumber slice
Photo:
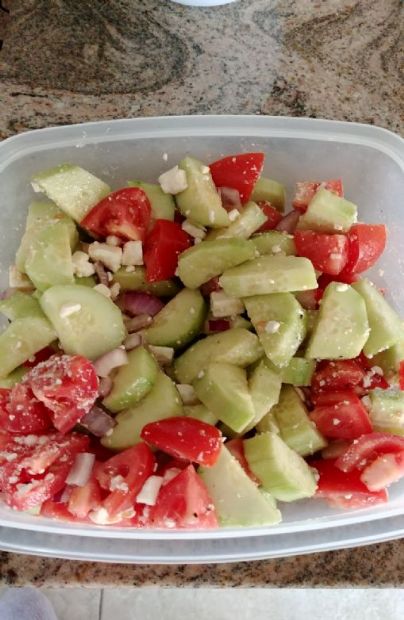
(20, 305)
(237, 499)
(75, 190)
(389, 360)
(223, 389)
(265, 386)
(282, 472)
(163, 401)
(162, 205)
(49, 259)
(328, 213)
(86, 322)
(179, 322)
(384, 322)
(279, 321)
(342, 325)
(200, 202)
(386, 410)
(200, 412)
(270, 190)
(296, 428)
(235, 346)
(211, 258)
(268, 424)
(89, 281)
(14, 377)
(136, 281)
(274, 242)
(269, 274)
(299, 371)
(251, 218)
(133, 381)
(22, 339)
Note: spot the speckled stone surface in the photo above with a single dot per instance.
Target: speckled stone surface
(76, 60)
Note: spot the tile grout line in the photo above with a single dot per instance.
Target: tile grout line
(101, 604)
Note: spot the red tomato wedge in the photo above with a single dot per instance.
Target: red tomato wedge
(366, 243)
(305, 191)
(384, 470)
(240, 172)
(162, 247)
(344, 490)
(41, 356)
(124, 475)
(367, 448)
(184, 502)
(236, 447)
(85, 499)
(344, 419)
(56, 510)
(401, 375)
(328, 253)
(125, 213)
(68, 387)
(26, 414)
(185, 438)
(337, 375)
(272, 214)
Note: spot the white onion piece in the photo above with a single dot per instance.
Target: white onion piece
(230, 198)
(149, 491)
(80, 473)
(289, 222)
(98, 422)
(133, 341)
(163, 355)
(107, 362)
(105, 386)
(187, 393)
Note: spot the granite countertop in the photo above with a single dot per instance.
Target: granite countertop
(66, 62)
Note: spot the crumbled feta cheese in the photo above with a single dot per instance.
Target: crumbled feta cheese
(276, 249)
(132, 253)
(113, 240)
(165, 156)
(82, 267)
(173, 181)
(205, 169)
(198, 232)
(115, 290)
(341, 288)
(102, 517)
(108, 255)
(201, 374)
(68, 309)
(118, 484)
(104, 290)
(130, 269)
(187, 393)
(336, 421)
(211, 217)
(233, 215)
(272, 327)
(16, 279)
(149, 491)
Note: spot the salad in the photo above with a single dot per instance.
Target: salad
(184, 355)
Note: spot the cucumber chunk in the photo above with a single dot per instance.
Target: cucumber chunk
(200, 412)
(265, 386)
(342, 325)
(389, 360)
(22, 339)
(237, 500)
(296, 428)
(275, 242)
(136, 281)
(14, 377)
(279, 321)
(163, 401)
(328, 213)
(89, 281)
(200, 202)
(386, 410)
(72, 188)
(49, 260)
(162, 205)
(299, 371)
(211, 258)
(251, 218)
(223, 389)
(40, 216)
(20, 305)
(179, 321)
(282, 472)
(235, 346)
(268, 424)
(133, 381)
(384, 322)
(269, 274)
(270, 190)
(86, 322)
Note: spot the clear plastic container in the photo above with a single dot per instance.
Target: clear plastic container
(371, 162)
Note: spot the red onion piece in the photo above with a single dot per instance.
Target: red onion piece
(140, 303)
(105, 386)
(107, 362)
(218, 325)
(308, 299)
(101, 273)
(98, 422)
(81, 470)
(289, 222)
(230, 198)
(211, 286)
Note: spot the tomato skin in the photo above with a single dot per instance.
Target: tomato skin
(337, 375)
(161, 250)
(366, 245)
(185, 438)
(239, 172)
(328, 253)
(343, 419)
(383, 471)
(25, 413)
(401, 375)
(344, 490)
(67, 385)
(305, 191)
(125, 213)
(184, 502)
(56, 510)
(85, 499)
(367, 448)
(272, 214)
(134, 465)
(236, 447)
